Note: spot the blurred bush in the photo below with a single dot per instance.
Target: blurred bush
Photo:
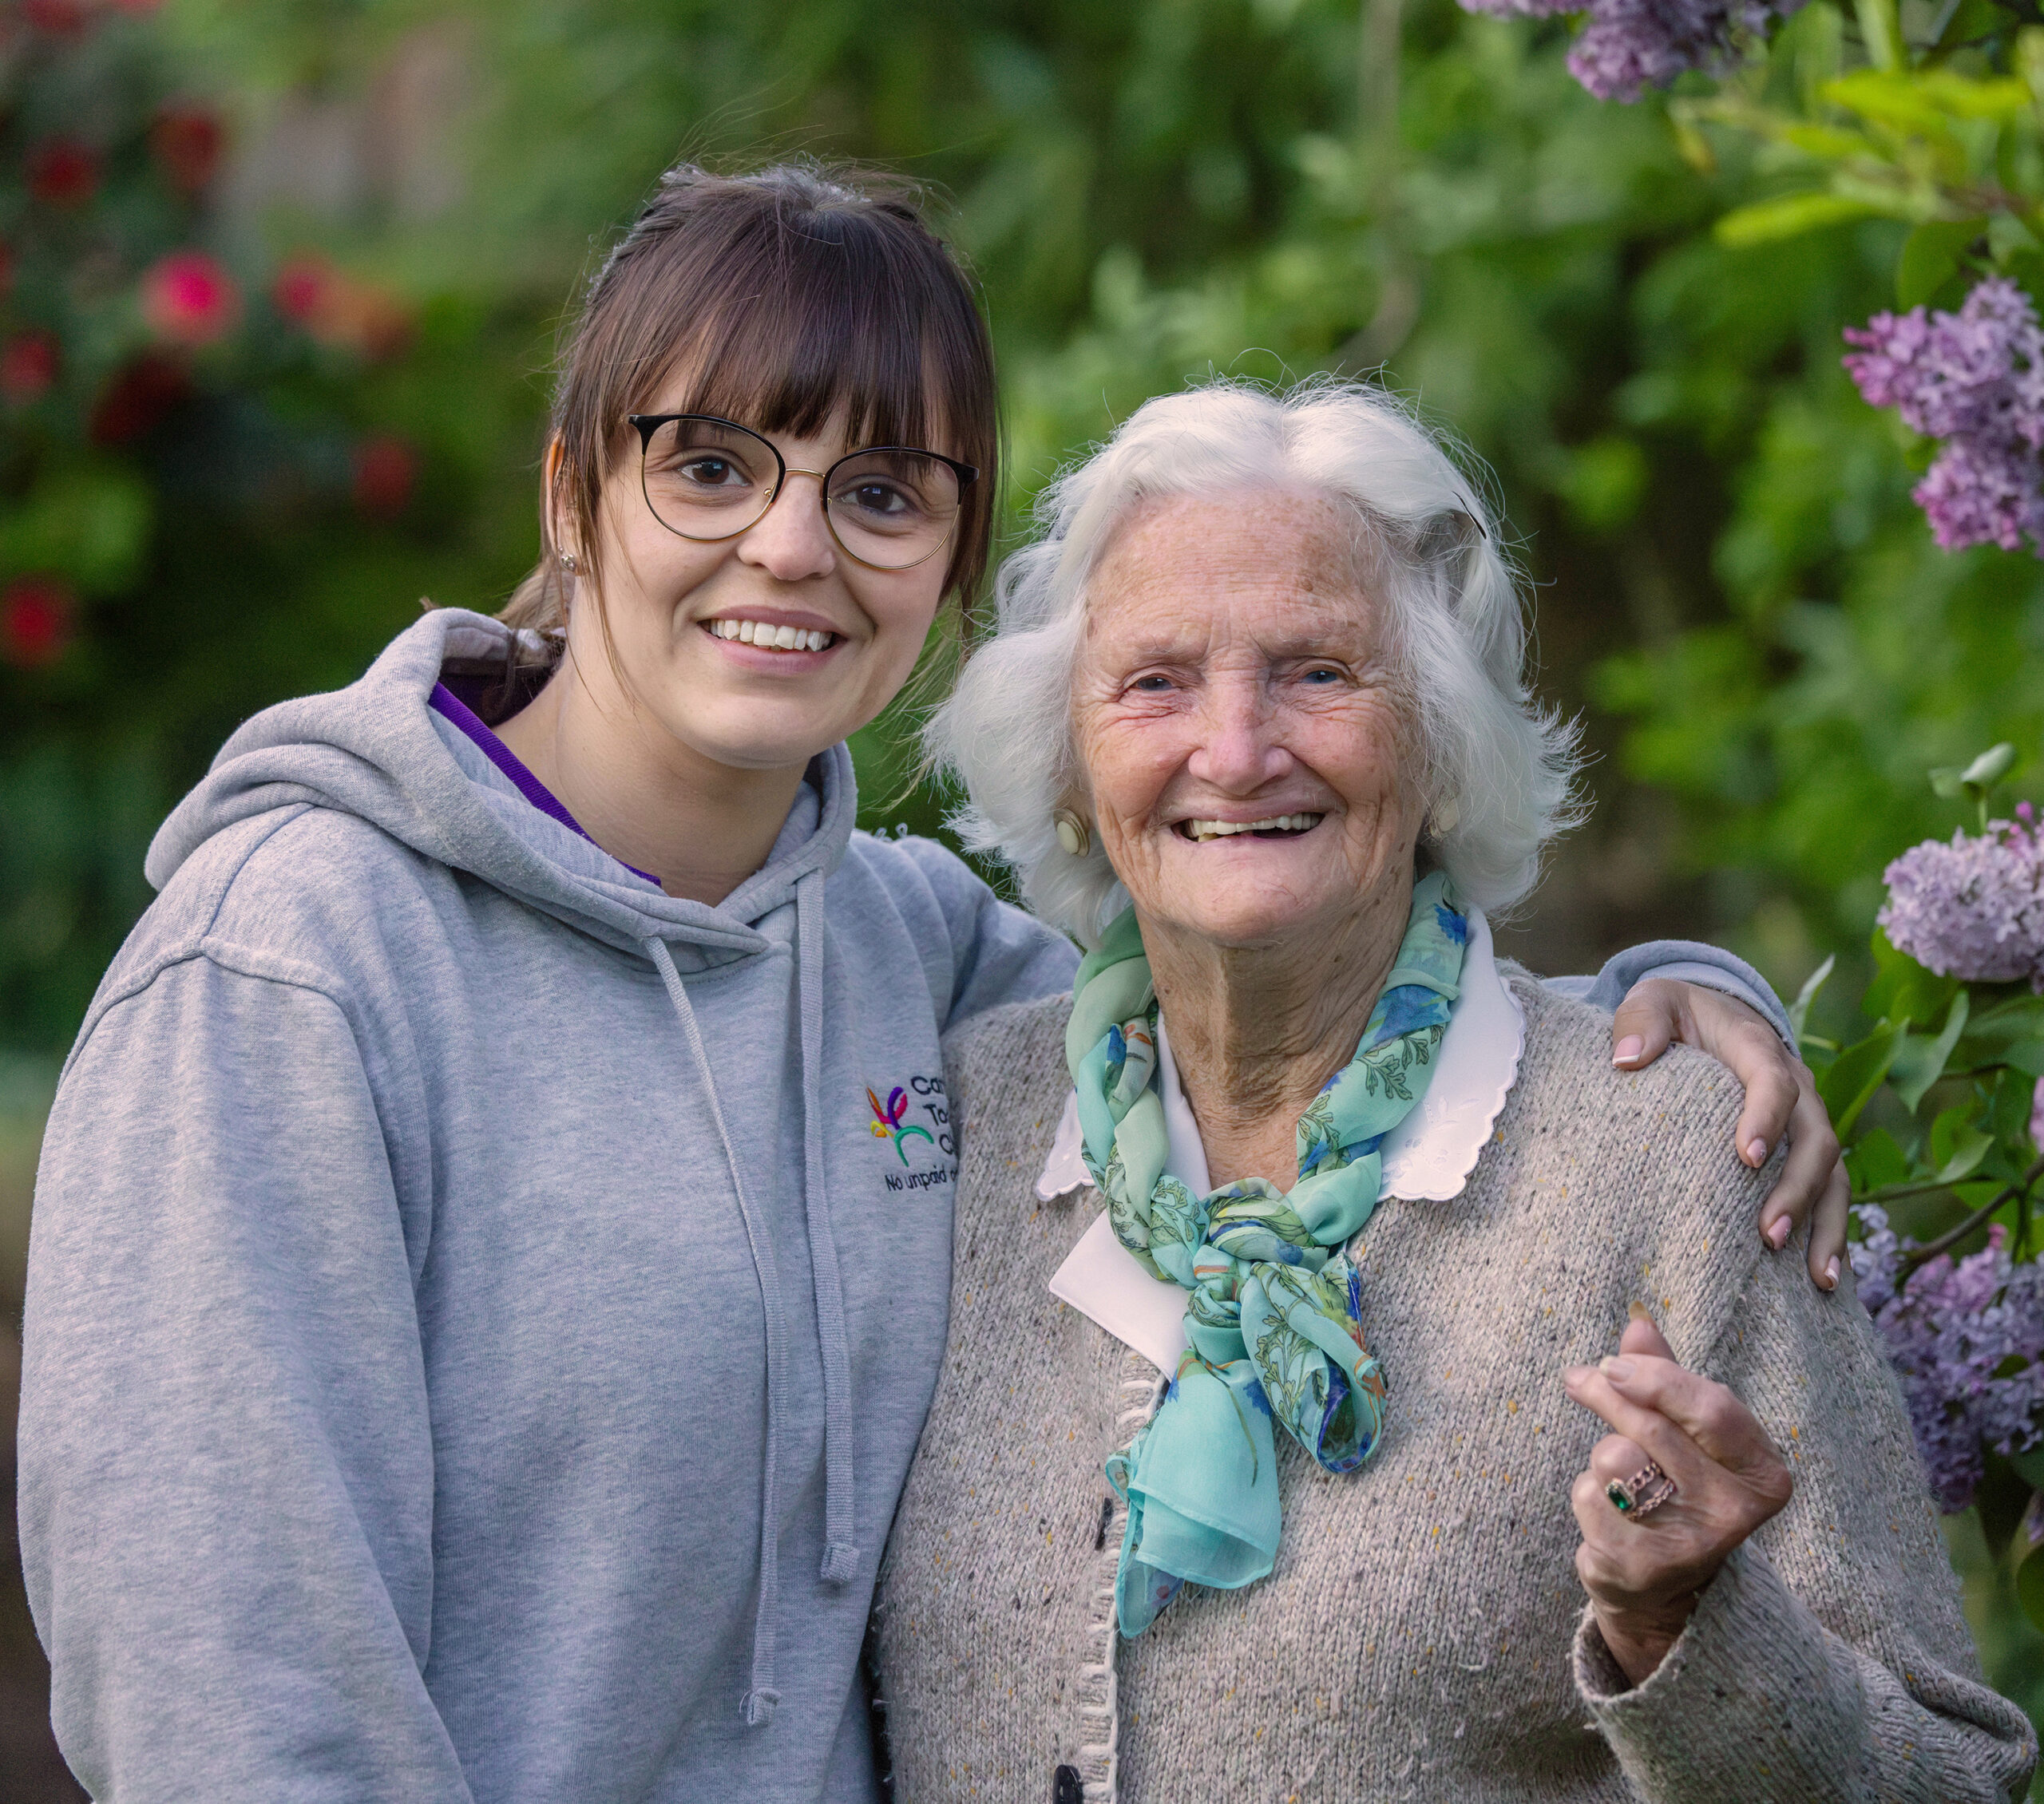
(282, 276)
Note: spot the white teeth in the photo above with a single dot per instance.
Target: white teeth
(1276, 824)
(774, 638)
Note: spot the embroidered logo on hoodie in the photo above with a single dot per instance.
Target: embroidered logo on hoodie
(888, 1125)
(894, 1120)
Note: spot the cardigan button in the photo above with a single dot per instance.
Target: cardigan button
(1065, 1788)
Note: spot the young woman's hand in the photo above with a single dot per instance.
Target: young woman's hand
(1780, 1096)
(1644, 1572)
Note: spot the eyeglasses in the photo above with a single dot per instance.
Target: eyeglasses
(889, 506)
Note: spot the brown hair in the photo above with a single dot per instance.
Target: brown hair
(790, 291)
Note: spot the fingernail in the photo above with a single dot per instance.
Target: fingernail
(1831, 1274)
(1637, 1312)
(1618, 1370)
(1629, 1048)
(1777, 1236)
(1756, 1152)
(1576, 1377)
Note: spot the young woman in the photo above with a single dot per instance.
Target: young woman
(492, 1252)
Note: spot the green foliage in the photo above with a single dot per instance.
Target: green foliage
(1858, 653)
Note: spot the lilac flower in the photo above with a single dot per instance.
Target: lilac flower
(1973, 909)
(1950, 1330)
(1976, 379)
(1626, 46)
(2037, 1116)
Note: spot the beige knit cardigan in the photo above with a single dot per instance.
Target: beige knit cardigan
(1424, 1635)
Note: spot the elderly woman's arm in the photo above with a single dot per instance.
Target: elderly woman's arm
(1827, 1658)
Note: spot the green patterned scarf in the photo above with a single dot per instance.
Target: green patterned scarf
(1273, 1313)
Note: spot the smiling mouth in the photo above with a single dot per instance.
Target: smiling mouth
(1279, 826)
(769, 637)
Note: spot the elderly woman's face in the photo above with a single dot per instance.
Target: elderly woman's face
(1248, 760)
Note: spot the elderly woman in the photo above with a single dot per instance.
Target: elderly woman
(1376, 1207)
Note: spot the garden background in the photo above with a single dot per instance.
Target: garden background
(230, 478)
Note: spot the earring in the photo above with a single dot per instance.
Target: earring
(1440, 822)
(1073, 834)
(568, 563)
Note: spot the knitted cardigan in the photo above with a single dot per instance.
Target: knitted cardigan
(1424, 1635)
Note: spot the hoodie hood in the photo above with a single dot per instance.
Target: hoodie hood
(376, 749)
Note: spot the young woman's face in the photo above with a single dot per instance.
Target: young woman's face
(674, 606)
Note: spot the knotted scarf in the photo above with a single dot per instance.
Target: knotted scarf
(1273, 1314)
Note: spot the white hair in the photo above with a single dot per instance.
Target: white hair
(1499, 766)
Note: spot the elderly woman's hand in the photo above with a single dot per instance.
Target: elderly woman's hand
(1780, 1096)
(1644, 1572)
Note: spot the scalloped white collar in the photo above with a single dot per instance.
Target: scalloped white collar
(1427, 1157)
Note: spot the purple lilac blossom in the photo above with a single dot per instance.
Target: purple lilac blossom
(1626, 46)
(2037, 1117)
(1949, 1329)
(1974, 379)
(1973, 909)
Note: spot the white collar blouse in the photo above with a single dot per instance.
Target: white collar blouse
(1427, 1157)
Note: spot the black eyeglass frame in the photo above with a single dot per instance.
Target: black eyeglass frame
(647, 424)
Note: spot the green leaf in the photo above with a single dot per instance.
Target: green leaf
(1958, 1146)
(1788, 216)
(1990, 767)
(1876, 1161)
(2000, 98)
(2011, 1034)
(1951, 781)
(1969, 1146)
(2030, 1467)
(1857, 1073)
(1925, 102)
(1951, 1142)
(1972, 20)
(1901, 987)
(1920, 1061)
(1799, 1011)
(2030, 1571)
(1881, 32)
(1930, 257)
(1827, 143)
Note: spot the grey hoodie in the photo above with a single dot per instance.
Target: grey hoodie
(481, 1308)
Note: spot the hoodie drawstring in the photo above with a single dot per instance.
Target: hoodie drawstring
(761, 1696)
(841, 1553)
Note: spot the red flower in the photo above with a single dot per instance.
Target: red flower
(61, 18)
(188, 299)
(304, 288)
(186, 141)
(35, 621)
(63, 172)
(385, 470)
(28, 365)
(136, 401)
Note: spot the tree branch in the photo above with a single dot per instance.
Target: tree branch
(1924, 1254)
